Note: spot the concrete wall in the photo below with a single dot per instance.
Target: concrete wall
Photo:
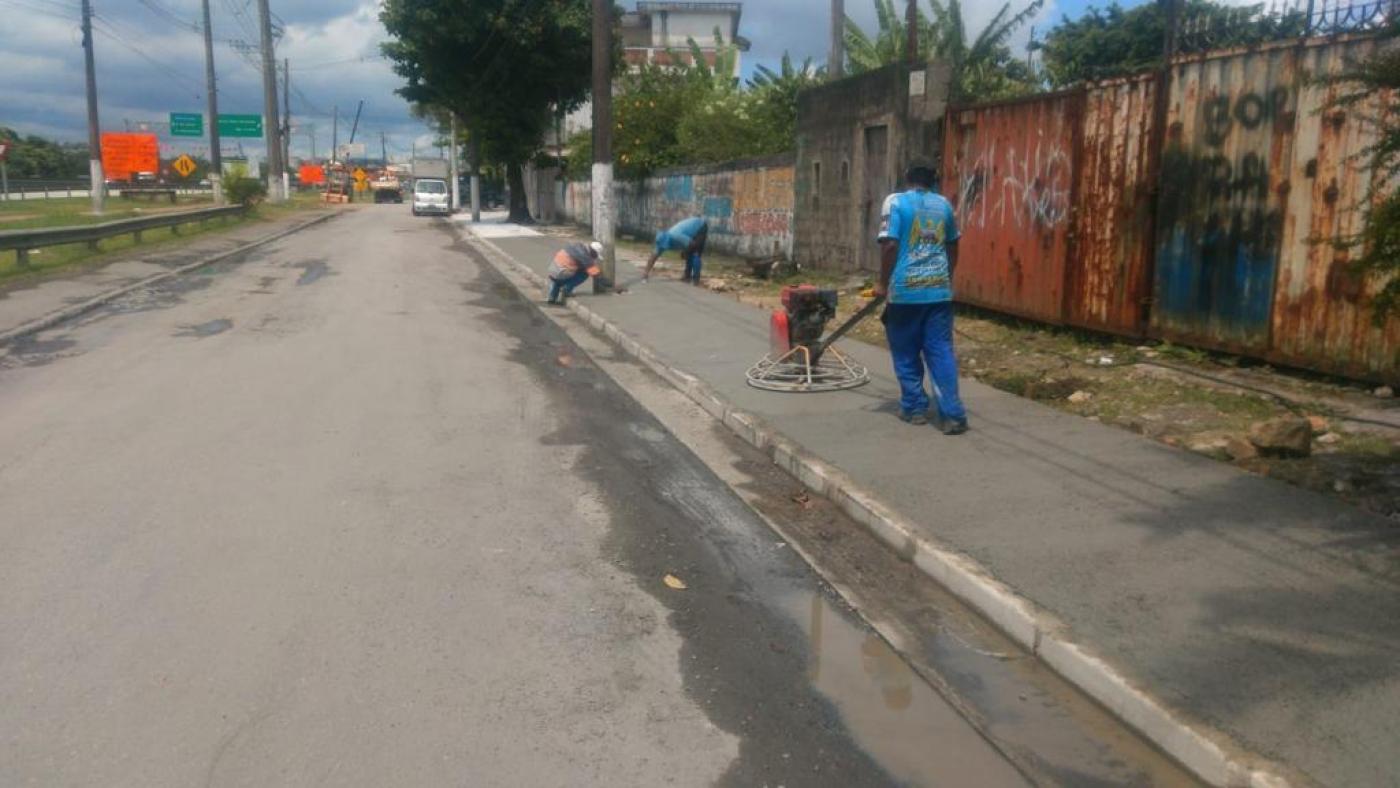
(854, 138)
(749, 204)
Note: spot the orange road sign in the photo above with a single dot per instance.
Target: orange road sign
(311, 174)
(360, 175)
(124, 154)
(184, 165)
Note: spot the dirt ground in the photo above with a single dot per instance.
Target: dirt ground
(1197, 401)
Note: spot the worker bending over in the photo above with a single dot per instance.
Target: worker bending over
(918, 253)
(687, 237)
(571, 267)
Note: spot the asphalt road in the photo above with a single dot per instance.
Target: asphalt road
(351, 512)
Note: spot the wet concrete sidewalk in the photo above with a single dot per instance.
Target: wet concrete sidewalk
(30, 299)
(1246, 606)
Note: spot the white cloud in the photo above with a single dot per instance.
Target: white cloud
(41, 70)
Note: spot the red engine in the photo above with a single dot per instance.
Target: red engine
(802, 320)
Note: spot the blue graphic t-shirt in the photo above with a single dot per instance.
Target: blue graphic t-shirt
(679, 236)
(923, 223)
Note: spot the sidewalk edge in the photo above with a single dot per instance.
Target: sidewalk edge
(1197, 748)
(69, 312)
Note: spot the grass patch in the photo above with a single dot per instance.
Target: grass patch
(28, 214)
(50, 259)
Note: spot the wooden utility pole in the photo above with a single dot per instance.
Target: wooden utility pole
(211, 90)
(98, 186)
(335, 131)
(271, 128)
(836, 58)
(604, 210)
(911, 32)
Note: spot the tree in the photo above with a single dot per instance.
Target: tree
(983, 67)
(1113, 42)
(38, 158)
(501, 66)
(1372, 89)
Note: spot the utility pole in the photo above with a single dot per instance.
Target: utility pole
(911, 32)
(604, 209)
(475, 144)
(271, 128)
(286, 127)
(452, 163)
(98, 186)
(216, 164)
(335, 130)
(383, 148)
(836, 58)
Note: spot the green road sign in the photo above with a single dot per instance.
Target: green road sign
(240, 125)
(186, 124)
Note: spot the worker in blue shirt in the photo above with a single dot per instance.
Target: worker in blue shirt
(918, 252)
(687, 237)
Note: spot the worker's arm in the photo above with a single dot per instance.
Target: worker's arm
(952, 248)
(889, 254)
(651, 263)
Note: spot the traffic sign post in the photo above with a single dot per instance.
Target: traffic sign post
(240, 125)
(186, 124)
(360, 177)
(4, 171)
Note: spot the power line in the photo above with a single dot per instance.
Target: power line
(110, 30)
(162, 11)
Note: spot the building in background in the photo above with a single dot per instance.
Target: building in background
(658, 32)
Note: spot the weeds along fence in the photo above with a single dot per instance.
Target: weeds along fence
(1192, 206)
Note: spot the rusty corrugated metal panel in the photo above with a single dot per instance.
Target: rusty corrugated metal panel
(1225, 172)
(1008, 169)
(1321, 316)
(1109, 274)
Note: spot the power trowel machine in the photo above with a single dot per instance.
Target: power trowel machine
(800, 359)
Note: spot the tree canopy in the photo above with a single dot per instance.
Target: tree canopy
(501, 66)
(983, 65)
(1112, 41)
(35, 157)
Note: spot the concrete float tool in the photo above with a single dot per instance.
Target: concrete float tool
(799, 358)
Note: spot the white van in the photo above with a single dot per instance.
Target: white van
(430, 195)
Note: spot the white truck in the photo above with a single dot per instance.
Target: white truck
(431, 190)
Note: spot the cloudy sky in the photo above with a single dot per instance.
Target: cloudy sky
(150, 62)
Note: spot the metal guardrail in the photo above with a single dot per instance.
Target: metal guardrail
(22, 241)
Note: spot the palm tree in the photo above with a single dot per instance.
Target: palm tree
(983, 67)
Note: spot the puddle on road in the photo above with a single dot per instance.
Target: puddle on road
(312, 272)
(29, 351)
(905, 725)
(208, 329)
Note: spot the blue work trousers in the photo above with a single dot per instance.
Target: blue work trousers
(922, 334)
(692, 268)
(566, 286)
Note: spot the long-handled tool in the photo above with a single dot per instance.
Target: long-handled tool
(800, 358)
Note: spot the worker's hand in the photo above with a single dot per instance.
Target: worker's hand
(879, 291)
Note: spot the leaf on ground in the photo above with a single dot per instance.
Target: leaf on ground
(672, 581)
(803, 499)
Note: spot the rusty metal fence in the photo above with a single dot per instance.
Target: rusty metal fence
(1203, 221)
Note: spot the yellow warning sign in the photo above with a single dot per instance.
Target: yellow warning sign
(360, 175)
(184, 165)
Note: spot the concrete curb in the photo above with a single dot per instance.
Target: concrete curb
(68, 313)
(1205, 752)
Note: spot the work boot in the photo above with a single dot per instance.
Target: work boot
(917, 419)
(952, 426)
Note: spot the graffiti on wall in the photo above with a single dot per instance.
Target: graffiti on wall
(1027, 188)
(749, 210)
(1222, 220)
